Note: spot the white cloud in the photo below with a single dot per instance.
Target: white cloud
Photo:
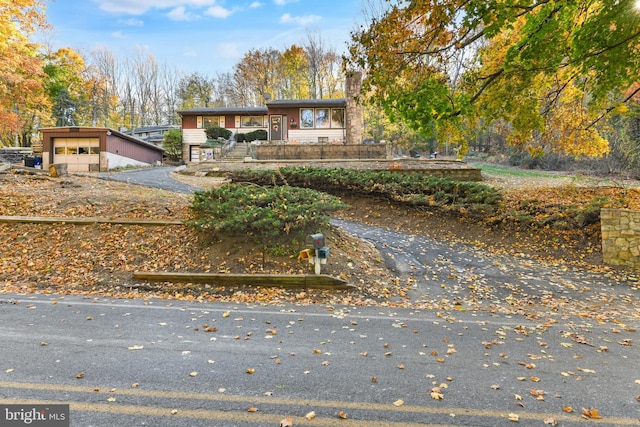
(180, 14)
(218, 11)
(118, 35)
(191, 53)
(283, 2)
(256, 4)
(138, 7)
(299, 20)
(133, 22)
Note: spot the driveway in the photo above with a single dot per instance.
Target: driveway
(155, 177)
(447, 274)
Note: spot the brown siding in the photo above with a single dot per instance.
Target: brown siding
(131, 150)
(189, 122)
(229, 121)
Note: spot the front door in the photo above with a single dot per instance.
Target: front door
(276, 128)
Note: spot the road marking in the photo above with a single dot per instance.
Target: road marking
(308, 404)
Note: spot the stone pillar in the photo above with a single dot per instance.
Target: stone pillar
(353, 113)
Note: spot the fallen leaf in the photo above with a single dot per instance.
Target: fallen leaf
(514, 417)
(250, 371)
(311, 415)
(398, 402)
(567, 409)
(174, 411)
(437, 396)
(287, 422)
(111, 399)
(551, 421)
(252, 409)
(80, 375)
(342, 415)
(591, 413)
(136, 347)
(225, 314)
(193, 374)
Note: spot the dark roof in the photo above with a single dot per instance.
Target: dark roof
(150, 129)
(333, 102)
(224, 110)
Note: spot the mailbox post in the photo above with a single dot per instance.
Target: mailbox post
(321, 252)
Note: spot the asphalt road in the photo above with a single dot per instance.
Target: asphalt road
(497, 337)
(162, 363)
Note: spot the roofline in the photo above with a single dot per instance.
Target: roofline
(113, 132)
(223, 110)
(308, 102)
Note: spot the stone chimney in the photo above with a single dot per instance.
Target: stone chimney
(353, 113)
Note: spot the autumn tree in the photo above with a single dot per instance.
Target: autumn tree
(441, 66)
(324, 73)
(293, 68)
(22, 99)
(196, 90)
(256, 76)
(65, 86)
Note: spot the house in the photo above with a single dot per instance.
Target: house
(87, 149)
(291, 121)
(236, 119)
(152, 134)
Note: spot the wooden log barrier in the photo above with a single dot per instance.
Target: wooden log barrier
(307, 281)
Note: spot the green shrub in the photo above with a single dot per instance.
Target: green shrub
(215, 132)
(402, 187)
(270, 216)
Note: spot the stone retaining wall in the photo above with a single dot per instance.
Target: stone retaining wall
(320, 151)
(14, 155)
(620, 237)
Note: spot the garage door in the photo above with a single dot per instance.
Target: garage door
(80, 154)
(195, 154)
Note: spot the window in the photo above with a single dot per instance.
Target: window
(322, 118)
(306, 118)
(337, 117)
(211, 121)
(252, 121)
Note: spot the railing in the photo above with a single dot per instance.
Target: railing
(227, 147)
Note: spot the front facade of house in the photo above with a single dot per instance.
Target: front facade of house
(86, 149)
(290, 121)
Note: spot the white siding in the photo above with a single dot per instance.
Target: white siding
(312, 135)
(193, 137)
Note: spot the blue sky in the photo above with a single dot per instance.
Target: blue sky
(205, 36)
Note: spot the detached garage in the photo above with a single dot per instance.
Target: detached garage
(96, 149)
